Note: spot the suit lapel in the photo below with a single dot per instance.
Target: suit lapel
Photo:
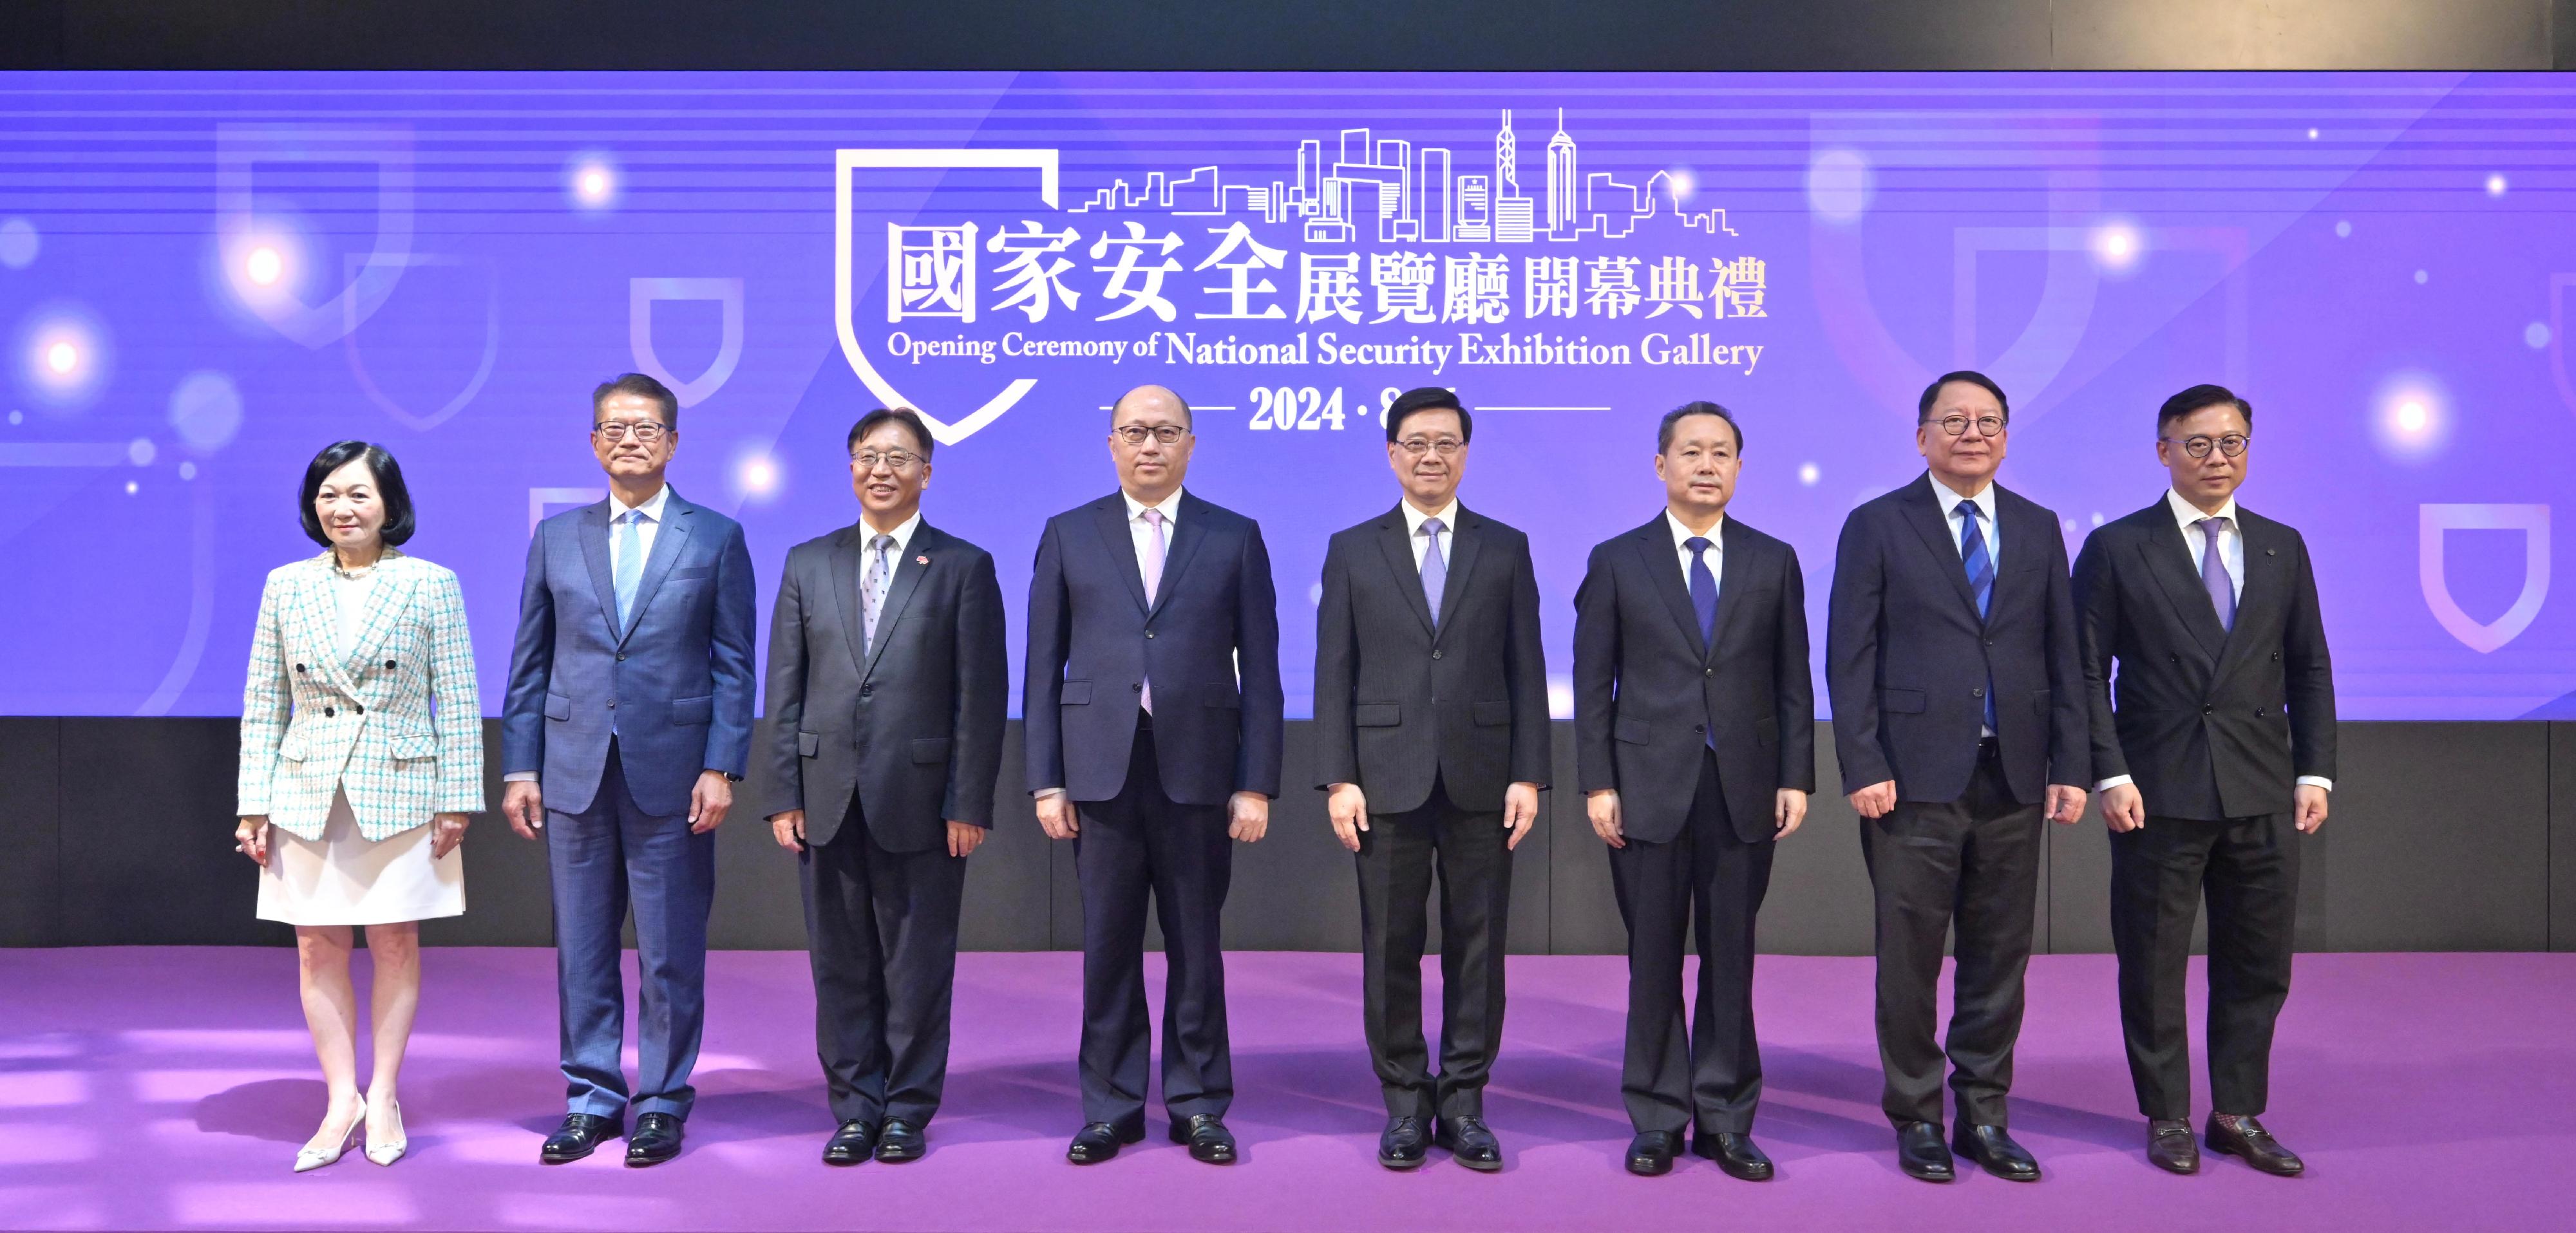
(1110, 517)
(2265, 581)
(921, 556)
(849, 565)
(2167, 556)
(320, 612)
(1465, 541)
(1187, 533)
(1663, 564)
(1736, 564)
(667, 542)
(1397, 544)
(594, 552)
(385, 609)
(1923, 512)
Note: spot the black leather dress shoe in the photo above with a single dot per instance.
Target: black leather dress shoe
(2249, 1140)
(1402, 1144)
(1650, 1154)
(1469, 1142)
(1099, 1141)
(853, 1143)
(901, 1140)
(579, 1136)
(1733, 1153)
(1210, 1142)
(1920, 1152)
(656, 1139)
(2170, 1146)
(1991, 1147)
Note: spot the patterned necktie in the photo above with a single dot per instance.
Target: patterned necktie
(1981, 579)
(1703, 589)
(1153, 564)
(630, 565)
(1435, 570)
(2213, 572)
(873, 588)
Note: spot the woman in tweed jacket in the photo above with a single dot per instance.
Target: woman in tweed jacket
(361, 757)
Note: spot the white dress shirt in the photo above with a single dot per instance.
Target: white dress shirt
(1413, 520)
(2231, 554)
(350, 593)
(902, 534)
(1716, 549)
(648, 521)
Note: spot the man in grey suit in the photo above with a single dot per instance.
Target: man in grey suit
(1431, 730)
(627, 722)
(888, 680)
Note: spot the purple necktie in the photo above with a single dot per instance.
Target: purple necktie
(1153, 564)
(2213, 572)
(1435, 571)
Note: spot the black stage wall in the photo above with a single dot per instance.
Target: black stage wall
(2445, 836)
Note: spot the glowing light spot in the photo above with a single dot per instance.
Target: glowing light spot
(759, 476)
(1684, 184)
(18, 243)
(594, 183)
(187, 470)
(2495, 185)
(2312, 134)
(141, 451)
(1838, 185)
(2412, 416)
(265, 266)
(2117, 245)
(2422, 277)
(2535, 335)
(131, 488)
(2097, 518)
(62, 358)
(1809, 474)
(2343, 229)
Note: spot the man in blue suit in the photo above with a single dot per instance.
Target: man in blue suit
(1959, 720)
(1153, 725)
(627, 722)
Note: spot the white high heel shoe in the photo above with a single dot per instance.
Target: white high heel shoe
(389, 1152)
(307, 1159)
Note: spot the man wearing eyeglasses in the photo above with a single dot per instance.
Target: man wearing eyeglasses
(1431, 724)
(2218, 755)
(1152, 719)
(888, 682)
(1959, 721)
(627, 722)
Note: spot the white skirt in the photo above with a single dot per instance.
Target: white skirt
(344, 878)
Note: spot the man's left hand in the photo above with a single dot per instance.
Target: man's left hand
(2309, 804)
(964, 838)
(2065, 803)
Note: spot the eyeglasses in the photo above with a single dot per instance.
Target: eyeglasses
(614, 431)
(2233, 444)
(896, 459)
(1987, 425)
(1443, 446)
(1135, 434)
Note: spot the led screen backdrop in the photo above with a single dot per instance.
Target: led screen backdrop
(203, 279)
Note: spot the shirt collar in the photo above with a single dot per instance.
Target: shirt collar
(651, 508)
(902, 534)
(1171, 506)
(1414, 518)
(1683, 534)
(2187, 515)
(1950, 500)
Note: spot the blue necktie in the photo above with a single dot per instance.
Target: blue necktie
(1435, 571)
(1703, 588)
(630, 565)
(2213, 572)
(1981, 579)
(880, 568)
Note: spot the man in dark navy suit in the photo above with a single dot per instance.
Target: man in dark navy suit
(2219, 755)
(1153, 722)
(1959, 719)
(888, 679)
(1695, 738)
(1431, 730)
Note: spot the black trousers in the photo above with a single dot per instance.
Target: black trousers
(1136, 843)
(1397, 856)
(883, 930)
(1708, 1076)
(2249, 869)
(1972, 862)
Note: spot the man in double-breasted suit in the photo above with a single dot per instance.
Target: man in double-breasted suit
(627, 722)
(888, 680)
(2219, 753)
(1152, 717)
(1431, 725)
(1694, 737)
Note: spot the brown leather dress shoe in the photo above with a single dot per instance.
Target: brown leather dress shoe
(2170, 1146)
(2244, 1137)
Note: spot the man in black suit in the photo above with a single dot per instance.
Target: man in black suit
(1153, 722)
(888, 681)
(1959, 709)
(1695, 740)
(2220, 754)
(1431, 726)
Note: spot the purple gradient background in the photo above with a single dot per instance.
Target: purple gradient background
(2278, 262)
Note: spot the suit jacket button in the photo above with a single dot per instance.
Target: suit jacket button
(329, 711)
(1435, 654)
(612, 704)
(300, 667)
(1137, 688)
(866, 691)
(362, 710)
(389, 663)
(1700, 728)
(1149, 633)
(2207, 709)
(2276, 657)
(621, 657)
(1976, 691)
(1708, 672)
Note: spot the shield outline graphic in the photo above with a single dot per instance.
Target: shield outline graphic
(2558, 285)
(1044, 162)
(240, 148)
(2435, 521)
(483, 370)
(641, 293)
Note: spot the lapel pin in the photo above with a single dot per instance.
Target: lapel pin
(921, 560)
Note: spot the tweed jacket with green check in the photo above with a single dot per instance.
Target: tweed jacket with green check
(395, 722)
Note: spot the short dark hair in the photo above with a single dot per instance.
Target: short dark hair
(641, 386)
(1673, 418)
(1428, 398)
(389, 488)
(2199, 396)
(1187, 417)
(882, 416)
(1923, 408)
